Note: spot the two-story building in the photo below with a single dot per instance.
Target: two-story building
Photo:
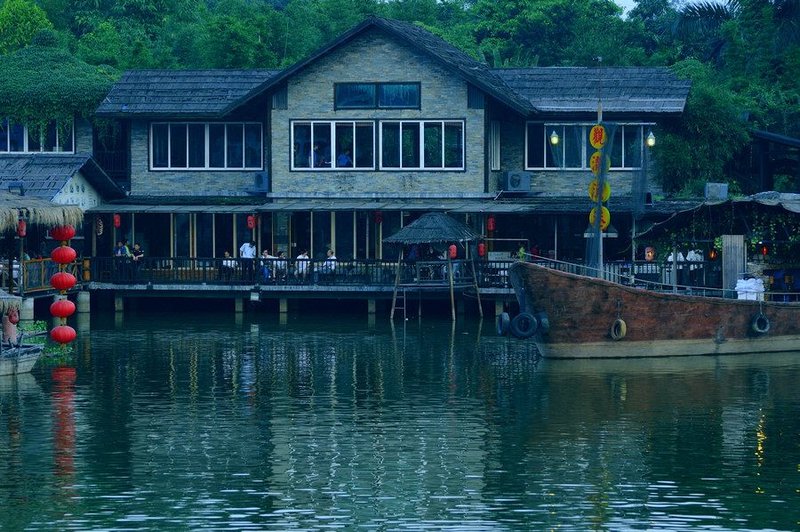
(347, 146)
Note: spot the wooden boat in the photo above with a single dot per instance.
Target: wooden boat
(19, 359)
(575, 316)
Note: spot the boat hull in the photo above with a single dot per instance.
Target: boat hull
(19, 359)
(581, 312)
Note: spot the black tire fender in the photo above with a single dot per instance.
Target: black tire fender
(503, 324)
(760, 323)
(524, 325)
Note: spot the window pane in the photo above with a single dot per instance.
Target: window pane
(302, 145)
(181, 235)
(50, 136)
(554, 155)
(65, 137)
(321, 150)
(354, 95)
(633, 146)
(573, 146)
(364, 155)
(34, 142)
(433, 145)
(216, 145)
(536, 145)
(197, 145)
(344, 145)
(410, 147)
(398, 95)
(235, 143)
(4, 135)
(177, 146)
(252, 145)
(390, 145)
(454, 145)
(160, 145)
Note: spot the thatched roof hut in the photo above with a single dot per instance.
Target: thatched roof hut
(433, 228)
(36, 211)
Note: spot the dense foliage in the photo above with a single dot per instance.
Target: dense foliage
(743, 56)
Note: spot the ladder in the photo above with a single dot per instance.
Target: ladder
(399, 302)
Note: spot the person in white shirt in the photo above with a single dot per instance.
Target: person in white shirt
(301, 265)
(248, 254)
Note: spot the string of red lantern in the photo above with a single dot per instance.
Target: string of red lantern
(63, 281)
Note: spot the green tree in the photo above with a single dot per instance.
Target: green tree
(20, 20)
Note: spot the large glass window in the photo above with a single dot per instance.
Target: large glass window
(376, 95)
(573, 149)
(50, 137)
(333, 144)
(230, 145)
(424, 144)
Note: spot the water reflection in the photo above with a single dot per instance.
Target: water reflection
(319, 422)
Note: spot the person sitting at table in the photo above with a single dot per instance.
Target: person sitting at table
(266, 265)
(344, 160)
(227, 267)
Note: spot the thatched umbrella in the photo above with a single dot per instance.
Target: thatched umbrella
(35, 211)
(432, 228)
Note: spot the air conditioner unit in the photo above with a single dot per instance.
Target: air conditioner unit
(516, 182)
(716, 191)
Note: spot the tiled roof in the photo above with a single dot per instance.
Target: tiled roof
(577, 89)
(196, 93)
(43, 175)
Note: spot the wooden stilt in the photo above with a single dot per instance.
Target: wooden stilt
(452, 295)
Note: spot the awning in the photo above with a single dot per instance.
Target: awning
(158, 209)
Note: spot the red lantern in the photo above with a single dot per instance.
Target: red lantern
(62, 281)
(251, 221)
(481, 249)
(713, 254)
(63, 308)
(63, 334)
(62, 232)
(453, 251)
(22, 228)
(378, 217)
(13, 316)
(764, 250)
(117, 220)
(490, 223)
(63, 255)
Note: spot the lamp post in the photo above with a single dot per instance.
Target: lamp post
(649, 142)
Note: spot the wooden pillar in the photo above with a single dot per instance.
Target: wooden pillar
(283, 305)
(84, 302)
(26, 309)
(370, 306)
(119, 305)
(499, 306)
(238, 305)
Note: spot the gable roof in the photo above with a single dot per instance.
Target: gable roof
(44, 175)
(447, 55)
(194, 93)
(621, 89)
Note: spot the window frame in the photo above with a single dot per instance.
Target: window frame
(207, 156)
(421, 127)
(333, 126)
(376, 97)
(585, 149)
(6, 126)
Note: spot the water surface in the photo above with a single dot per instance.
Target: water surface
(202, 422)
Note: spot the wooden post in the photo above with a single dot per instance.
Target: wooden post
(477, 290)
(452, 295)
(396, 284)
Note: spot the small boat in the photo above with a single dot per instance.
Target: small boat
(19, 358)
(576, 316)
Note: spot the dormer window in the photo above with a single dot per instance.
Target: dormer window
(376, 95)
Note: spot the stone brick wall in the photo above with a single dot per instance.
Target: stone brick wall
(375, 57)
(83, 136)
(146, 182)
